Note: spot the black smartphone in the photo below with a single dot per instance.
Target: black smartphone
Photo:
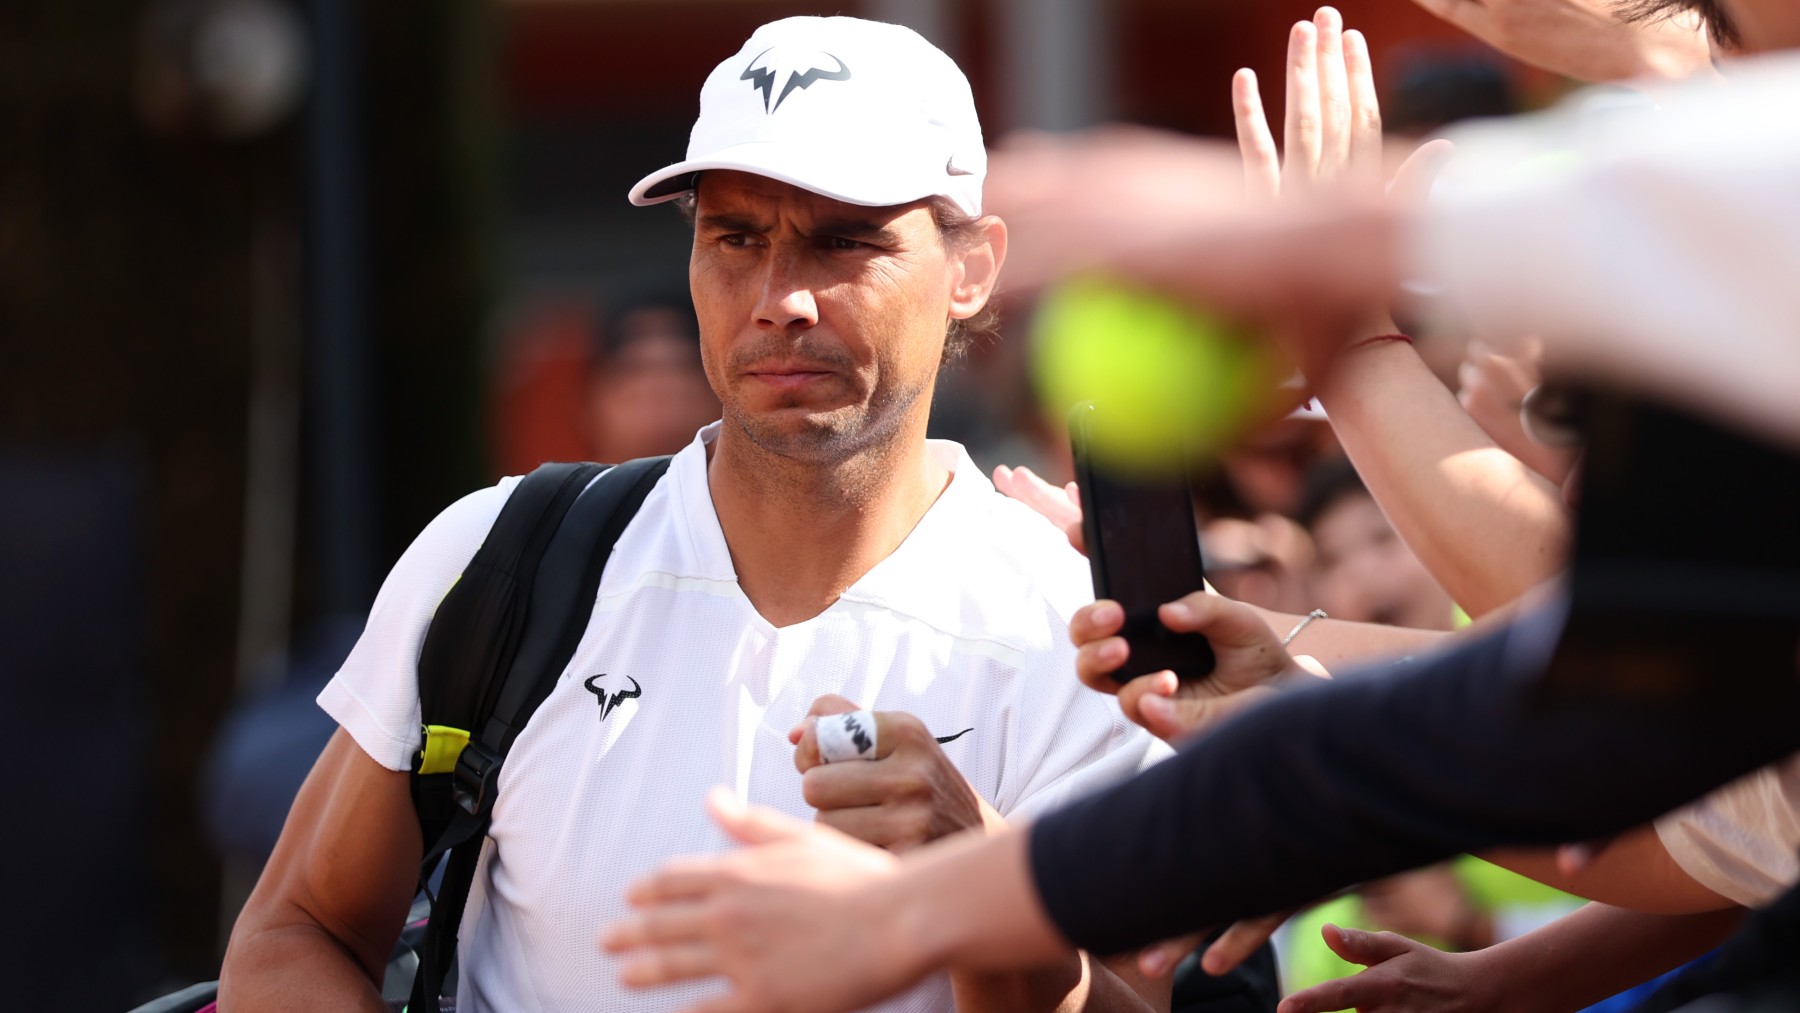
(1144, 548)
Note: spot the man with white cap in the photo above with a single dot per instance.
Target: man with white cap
(811, 581)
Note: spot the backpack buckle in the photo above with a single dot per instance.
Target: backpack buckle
(473, 786)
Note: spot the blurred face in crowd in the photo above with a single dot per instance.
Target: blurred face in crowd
(1268, 472)
(822, 323)
(650, 395)
(1365, 573)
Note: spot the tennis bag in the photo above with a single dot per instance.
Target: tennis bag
(494, 650)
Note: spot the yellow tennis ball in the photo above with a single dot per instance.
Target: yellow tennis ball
(1166, 374)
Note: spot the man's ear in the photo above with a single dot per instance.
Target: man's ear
(978, 268)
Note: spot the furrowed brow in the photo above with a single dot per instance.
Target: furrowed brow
(729, 222)
(860, 229)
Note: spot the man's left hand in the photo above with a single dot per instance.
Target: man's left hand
(909, 795)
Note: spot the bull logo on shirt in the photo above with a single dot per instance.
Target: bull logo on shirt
(608, 701)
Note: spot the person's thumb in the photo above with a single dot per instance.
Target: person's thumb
(1413, 180)
(1364, 948)
(1171, 718)
(1237, 943)
(1311, 666)
(750, 824)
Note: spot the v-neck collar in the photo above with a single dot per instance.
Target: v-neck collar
(907, 580)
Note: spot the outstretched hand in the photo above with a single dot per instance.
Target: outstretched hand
(1331, 139)
(786, 921)
(1061, 507)
(1402, 976)
(1332, 125)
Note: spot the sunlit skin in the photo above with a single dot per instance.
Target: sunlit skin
(1765, 25)
(822, 323)
(821, 328)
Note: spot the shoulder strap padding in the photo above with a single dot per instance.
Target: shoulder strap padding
(499, 655)
(475, 633)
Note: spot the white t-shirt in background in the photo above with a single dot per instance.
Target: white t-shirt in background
(963, 626)
(1743, 840)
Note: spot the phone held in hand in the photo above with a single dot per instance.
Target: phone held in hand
(1144, 548)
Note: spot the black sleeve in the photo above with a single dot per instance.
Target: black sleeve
(1343, 782)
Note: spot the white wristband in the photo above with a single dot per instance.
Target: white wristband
(846, 736)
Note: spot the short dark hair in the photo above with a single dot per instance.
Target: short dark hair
(1718, 24)
(956, 228)
(1327, 483)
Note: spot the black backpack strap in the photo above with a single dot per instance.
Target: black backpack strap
(474, 635)
(558, 569)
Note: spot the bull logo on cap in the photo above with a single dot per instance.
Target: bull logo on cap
(763, 70)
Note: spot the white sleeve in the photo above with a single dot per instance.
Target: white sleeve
(1741, 841)
(375, 696)
(1068, 740)
(1656, 246)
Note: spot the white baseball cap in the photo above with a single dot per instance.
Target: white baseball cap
(859, 111)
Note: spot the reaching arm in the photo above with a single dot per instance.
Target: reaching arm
(1484, 525)
(1633, 870)
(1360, 778)
(1527, 244)
(1344, 781)
(1337, 644)
(1487, 527)
(1567, 965)
(809, 920)
(321, 923)
(1599, 951)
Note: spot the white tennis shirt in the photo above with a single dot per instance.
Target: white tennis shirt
(965, 625)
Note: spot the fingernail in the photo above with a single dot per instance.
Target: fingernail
(1108, 612)
(1180, 611)
(1113, 651)
(1155, 963)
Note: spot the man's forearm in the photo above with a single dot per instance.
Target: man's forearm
(1335, 643)
(1634, 870)
(294, 967)
(1596, 952)
(1335, 804)
(1072, 983)
(1487, 527)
